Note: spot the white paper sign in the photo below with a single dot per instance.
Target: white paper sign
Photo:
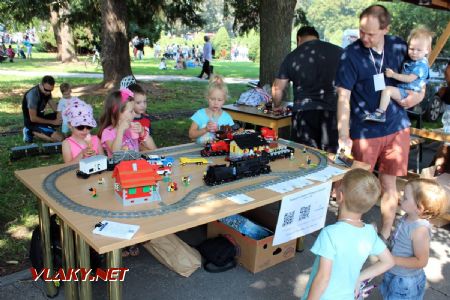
(302, 213)
(290, 185)
(241, 198)
(115, 230)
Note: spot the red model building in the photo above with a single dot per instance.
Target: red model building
(136, 182)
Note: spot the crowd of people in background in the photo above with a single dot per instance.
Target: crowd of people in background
(239, 53)
(185, 56)
(23, 49)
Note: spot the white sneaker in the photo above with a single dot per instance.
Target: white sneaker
(27, 137)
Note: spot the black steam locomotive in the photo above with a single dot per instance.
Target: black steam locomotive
(237, 169)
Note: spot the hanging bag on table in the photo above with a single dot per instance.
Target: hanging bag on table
(254, 97)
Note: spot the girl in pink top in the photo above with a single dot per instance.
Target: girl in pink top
(80, 144)
(117, 130)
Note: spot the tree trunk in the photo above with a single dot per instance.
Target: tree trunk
(68, 51)
(115, 52)
(54, 20)
(63, 33)
(275, 36)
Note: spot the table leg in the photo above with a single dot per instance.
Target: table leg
(300, 244)
(275, 128)
(44, 224)
(70, 287)
(114, 260)
(83, 260)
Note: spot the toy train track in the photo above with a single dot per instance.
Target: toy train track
(192, 198)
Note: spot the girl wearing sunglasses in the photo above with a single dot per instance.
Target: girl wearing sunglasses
(81, 143)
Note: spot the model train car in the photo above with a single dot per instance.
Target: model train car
(280, 152)
(119, 156)
(236, 169)
(221, 147)
(91, 165)
(159, 160)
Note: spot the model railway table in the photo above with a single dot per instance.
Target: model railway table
(433, 134)
(57, 188)
(252, 115)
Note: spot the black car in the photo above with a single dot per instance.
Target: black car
(431, 108)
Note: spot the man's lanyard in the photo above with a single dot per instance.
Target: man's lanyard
(373, 61)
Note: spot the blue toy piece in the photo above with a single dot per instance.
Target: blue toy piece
(167, 161)
(160, 160)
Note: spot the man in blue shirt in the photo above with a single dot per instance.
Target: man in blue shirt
(360, 81)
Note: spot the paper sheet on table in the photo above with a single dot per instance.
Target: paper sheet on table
(116, 230)
(241, 198)
(325, 174)
(290, 185)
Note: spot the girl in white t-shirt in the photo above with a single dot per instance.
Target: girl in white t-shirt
(63, 104)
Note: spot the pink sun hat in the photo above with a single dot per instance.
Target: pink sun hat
(80, 113)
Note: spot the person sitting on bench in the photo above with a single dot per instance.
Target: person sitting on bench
(36, 122)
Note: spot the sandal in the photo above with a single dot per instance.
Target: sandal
(125, 252)
(134, 250)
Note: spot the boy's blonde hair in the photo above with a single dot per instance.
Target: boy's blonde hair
(217, 82)
(64, 87)
(429, 195)
(422, 33)
(361, 190)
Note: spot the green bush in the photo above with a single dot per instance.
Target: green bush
(221, 41)
(251, 41)
(84, 39)
(47, 41)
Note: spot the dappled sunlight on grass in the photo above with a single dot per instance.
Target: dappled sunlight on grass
(10, 108)
(19, 232)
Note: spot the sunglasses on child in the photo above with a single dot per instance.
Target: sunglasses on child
(83, 127)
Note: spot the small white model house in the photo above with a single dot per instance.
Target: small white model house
(93, 164)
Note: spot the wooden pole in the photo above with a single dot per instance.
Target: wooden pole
(439, 45)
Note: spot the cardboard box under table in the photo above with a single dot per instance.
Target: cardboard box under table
(256, 255)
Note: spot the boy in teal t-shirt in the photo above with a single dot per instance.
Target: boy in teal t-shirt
(342, 248)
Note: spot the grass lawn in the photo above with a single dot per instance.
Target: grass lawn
(18, 215)
(148, 65)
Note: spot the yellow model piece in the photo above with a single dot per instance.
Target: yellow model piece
(193, 160)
